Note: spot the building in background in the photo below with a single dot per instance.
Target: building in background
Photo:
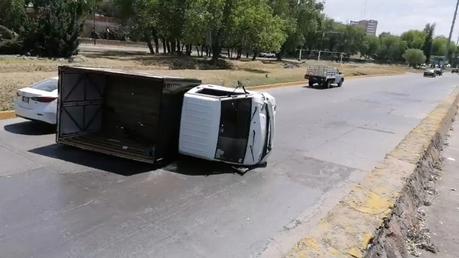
(369, 26)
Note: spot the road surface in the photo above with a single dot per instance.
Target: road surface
(57, 201)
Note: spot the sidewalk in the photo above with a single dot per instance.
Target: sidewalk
(442, 217)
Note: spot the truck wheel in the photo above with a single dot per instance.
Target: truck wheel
(328, 84)
(340, 84)
(311, 84)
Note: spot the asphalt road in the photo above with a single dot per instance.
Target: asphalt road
(57, 201)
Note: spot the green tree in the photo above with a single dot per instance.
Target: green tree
(391, 48)
(429, 31)
(370, 47)
(141, 18)
(302, 20)
(54, 28)
(12, 14)
(439, 46)
(351, 39)
(256, 28)
(414, 57)
(414, 38)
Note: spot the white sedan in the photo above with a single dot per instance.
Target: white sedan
(38, 102)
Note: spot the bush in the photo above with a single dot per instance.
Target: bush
(414, 57)
(6, 33)
(10, 47)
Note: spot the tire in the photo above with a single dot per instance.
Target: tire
(340, 84)
(311, 84)
(328, 84)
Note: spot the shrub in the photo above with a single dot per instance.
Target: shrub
(414, 57)
(6, 33)
(10, 47)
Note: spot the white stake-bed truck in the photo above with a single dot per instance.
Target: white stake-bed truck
(151, 119)
(324, 76)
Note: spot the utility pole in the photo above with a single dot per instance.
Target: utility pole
(451, 31)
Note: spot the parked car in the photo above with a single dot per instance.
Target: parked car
(455, 70)
(38, 102)
(430, 72)
(268, 55)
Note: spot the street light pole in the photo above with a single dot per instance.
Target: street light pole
(451, 31)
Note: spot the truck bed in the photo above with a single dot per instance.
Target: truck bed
(121, 114)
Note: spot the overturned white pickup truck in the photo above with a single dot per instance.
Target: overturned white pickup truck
(149, 118)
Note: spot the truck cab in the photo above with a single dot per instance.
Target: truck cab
(228, 125)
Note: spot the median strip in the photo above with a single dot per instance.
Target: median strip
(374, 219)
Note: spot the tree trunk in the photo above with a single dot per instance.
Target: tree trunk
(173, 47)
(239, 54)
(179, 46)
(150, 46)
(255, 54)
(156, 40)
(164, 45)
(168, 44)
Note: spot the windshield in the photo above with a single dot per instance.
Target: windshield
(234, 130)
(48, 85)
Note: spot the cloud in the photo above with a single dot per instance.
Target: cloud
(396, 16)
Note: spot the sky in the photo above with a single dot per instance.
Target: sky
(397, 16)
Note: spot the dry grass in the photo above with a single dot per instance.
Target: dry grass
(18, 72)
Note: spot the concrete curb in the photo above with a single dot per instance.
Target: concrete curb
(375, 217)
(7, 115)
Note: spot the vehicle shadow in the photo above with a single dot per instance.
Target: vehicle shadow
(316, 88)
(197, 167)
(94, 160)
(32, 128)
(124, 167)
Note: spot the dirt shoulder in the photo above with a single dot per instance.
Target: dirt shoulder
(440, 216)
(18, 72)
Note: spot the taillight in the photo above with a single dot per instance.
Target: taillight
(44, 99)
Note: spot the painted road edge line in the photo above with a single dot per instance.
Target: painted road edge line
(374, 218)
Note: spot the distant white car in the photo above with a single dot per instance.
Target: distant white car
(38, 102)
(268, 55)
